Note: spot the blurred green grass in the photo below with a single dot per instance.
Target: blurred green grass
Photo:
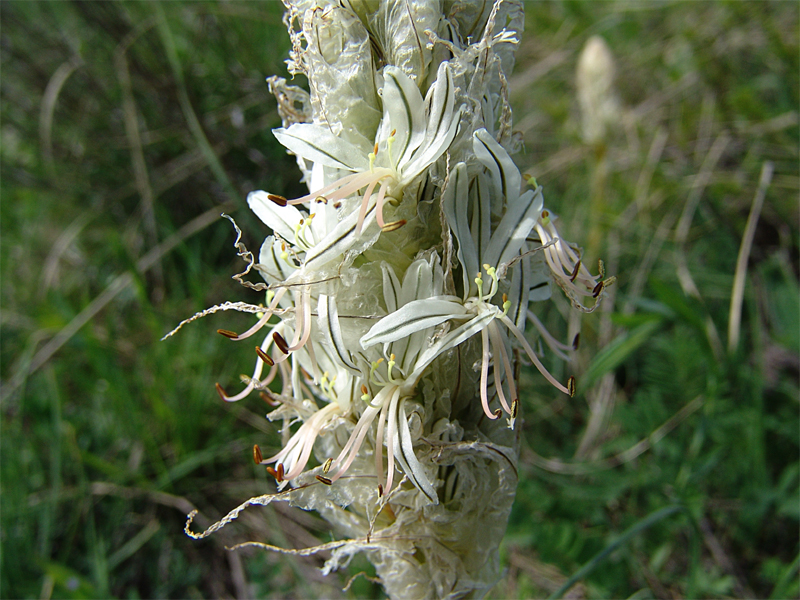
(110, 144)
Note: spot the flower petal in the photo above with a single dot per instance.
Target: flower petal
(403, 112)
(514, 227)
(414, 316)
(319, 145)
(505, 175)
(455, 201)
(283, 220)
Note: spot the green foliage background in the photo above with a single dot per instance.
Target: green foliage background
(127, 127)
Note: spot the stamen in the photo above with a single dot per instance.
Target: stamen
(264, 356)
(393, 226)
(531, 354)
(280, 342)
(380, 490)
(272, 472)
(597, 289)
(221, 392)
(379, 205)
(279, 467)
(362, 212)
(571, 386)
(390, 435)
(231, 335)
(552, 342)
(575, 271)
(485, 374)
(324, 480)
(279, 200)
(576, 341)
(498, 355)
(321, 199)
(257, 457)
(265, 397)
(327, 466)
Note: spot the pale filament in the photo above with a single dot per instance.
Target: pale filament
(350, 450)
(255, 382)
(485, 374)
(498, 347)
(264, 319)
(302, 442)
(532, 355)
(390, 435)
(561, 263)
(552, 342)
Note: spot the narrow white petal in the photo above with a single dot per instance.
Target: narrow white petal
(514, 227)
(403, 109)
(505, 174)
(455, 199)
(283, 220)
(414, 316)
(320, 145)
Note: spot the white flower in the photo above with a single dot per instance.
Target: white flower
(481, 249)
(412, 135)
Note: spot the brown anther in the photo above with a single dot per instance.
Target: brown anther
(364, 390)
(393, 226)
(324, 480)
(257, 456)
(394, 131)
(221, 392)
(231, 335)
(301, 221)
(280, 472)
(498, 412)
(514, 408)
(321, 199)
(545, 214)
(571, 386)
(337, 204)
(266, 398)
(505, 298)
(272, 472)
(577, 268)
(375, 149)
(279, 200)
(327, 466)
(380, 490)
(576, 341)
(264, 356)
(597, 289)
(280, 342)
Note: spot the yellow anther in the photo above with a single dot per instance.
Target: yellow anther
(545, 218)
(479, 283)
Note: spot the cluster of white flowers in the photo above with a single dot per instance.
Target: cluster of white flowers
(398, 289)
